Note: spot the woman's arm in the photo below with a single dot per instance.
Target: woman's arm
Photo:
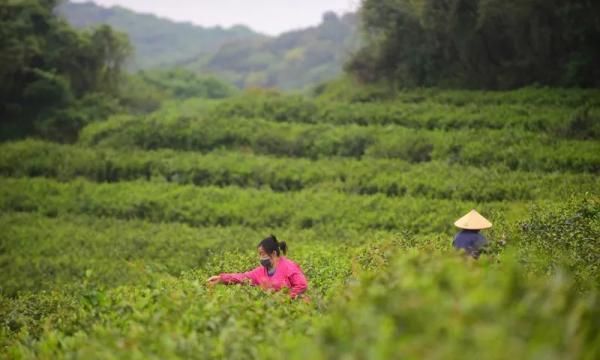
(298, 282)
(238, 278)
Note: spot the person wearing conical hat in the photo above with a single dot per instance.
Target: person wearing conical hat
(469, 239)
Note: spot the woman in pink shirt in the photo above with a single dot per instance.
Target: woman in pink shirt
(276, 271)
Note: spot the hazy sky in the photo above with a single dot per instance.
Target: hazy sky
(266, 16)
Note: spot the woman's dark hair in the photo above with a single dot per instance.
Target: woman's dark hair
(270, 245)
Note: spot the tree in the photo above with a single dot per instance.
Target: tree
(479, 43)
(46, 66)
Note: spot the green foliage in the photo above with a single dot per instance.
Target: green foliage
(59, 252)
(569, 114)
(183, 84)
(491, 44)
(63, 125)
(47, 68)
(584, 124)
(389, 177)
(514, 149)
(47, 90)
(213, 206)
(148, 91)
(564, 237)
(419, 305)
(106, 244)
(347, 88)
(115, 321)
(460, 310)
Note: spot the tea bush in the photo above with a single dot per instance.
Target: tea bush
(390, 177)
(106, 244)
(565, 236)
(515, 149)
(213, 206)
(459, 309)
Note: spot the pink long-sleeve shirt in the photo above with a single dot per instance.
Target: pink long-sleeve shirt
(287, 274)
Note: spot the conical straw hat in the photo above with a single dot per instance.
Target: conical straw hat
(473, 221)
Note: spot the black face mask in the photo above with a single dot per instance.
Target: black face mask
(266, 263)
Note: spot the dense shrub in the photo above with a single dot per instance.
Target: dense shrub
(459, 309)
(427, 110)
(583, 124)
(515, 149)
(212, 206)
(565, 236)
(390, 177)
(421, 304)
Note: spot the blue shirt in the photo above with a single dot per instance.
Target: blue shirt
(469, 240)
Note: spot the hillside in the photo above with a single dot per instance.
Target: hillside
(292, 60)
(158, 42)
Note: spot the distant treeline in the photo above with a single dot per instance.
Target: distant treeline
(493, 44)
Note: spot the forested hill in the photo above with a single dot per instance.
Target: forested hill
(292, 60)
(157, 41)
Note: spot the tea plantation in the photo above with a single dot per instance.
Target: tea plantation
(106, 243)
